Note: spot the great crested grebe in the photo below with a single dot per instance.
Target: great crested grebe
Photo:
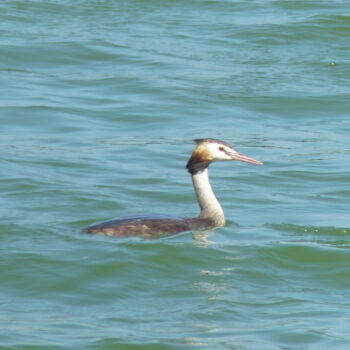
(211, 215)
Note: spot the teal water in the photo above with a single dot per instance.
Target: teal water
(99, 103)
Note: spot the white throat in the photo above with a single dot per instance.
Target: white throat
(210, 207)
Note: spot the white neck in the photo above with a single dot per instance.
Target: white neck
(210, 207)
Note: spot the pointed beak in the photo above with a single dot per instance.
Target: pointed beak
(243, 158)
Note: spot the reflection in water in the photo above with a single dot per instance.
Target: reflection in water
(201, 238)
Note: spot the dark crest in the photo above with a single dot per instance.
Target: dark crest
(199, 141)
(198, 162)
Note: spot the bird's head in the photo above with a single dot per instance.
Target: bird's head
(210, 150)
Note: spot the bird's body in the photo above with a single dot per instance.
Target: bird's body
(148, 226)
(211, 215)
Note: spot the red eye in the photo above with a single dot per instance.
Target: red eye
(221, 149)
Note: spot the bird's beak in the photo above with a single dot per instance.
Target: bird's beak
(243, 158)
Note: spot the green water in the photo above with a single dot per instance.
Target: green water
(99, 103)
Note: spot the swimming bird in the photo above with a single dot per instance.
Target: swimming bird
(211, 213)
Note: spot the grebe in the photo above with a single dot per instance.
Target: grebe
(211, 215)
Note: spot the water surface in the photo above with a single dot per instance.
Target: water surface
(99, 103)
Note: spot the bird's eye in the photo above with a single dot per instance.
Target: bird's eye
(221, 148)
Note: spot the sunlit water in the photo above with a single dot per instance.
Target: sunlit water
(99, 103)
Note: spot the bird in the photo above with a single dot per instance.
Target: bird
(211, 214)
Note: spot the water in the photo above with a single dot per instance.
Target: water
(99, 103)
